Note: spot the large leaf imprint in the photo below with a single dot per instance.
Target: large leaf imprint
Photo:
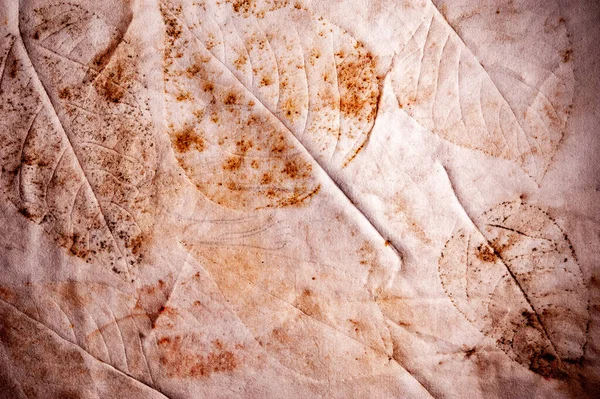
(502, 85)
(77, 152)
(37, 363)
(95, 317)
(239, 80)
(520, 284)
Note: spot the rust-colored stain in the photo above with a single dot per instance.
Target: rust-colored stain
(291, 108)
(115, 80)
(184, 96)
(231, 99)
(173, 29)
(358, 85)
(65, 93)
(486, 253)
(186, 139)
(244, 6)
(266, 81)
(238, 154)
(7, 294)
(308, 303)
(180, 361)
(151, 298)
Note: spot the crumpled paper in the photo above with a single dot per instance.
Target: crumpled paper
(272, 198)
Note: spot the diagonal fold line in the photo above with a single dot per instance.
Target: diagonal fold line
(5, 58)
(55, 335)
(394, 357)
(329, 172)
(169, 295)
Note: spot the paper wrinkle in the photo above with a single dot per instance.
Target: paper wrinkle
(273, 198)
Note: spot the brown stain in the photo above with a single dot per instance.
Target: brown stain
(115, 81)
(184, 96)
(355, 153)
(280, 335)
(567, 55)
(242, 6)
(74, 295)
(470, 352)
(295, 170)
(233, 163)
(298, 197)
(356, 326)
(308, 303)
(352, 88)
(65, 93)
(359, 86)
(240, 61)
(409, 102)
(485, 253)
(291, 108)
(7, 294)
(231, 98)
(266, 178)
(266, 81)
(500, 247)
(545, 363)
(13, 69)
(173, 28)
(78, 247)
(152, 297)
(258, 9)
(138, 244)
(102, 58)
(180, 360)
(186, 139)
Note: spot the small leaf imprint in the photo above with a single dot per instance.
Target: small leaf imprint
(518, 281)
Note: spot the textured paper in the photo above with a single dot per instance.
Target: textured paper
(298, 199)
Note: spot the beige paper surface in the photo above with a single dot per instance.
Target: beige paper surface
(298, 199)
